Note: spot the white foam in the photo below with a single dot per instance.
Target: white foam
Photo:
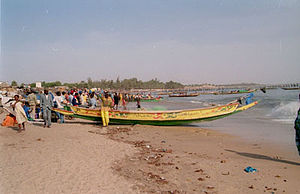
(285, 112)
(196, 102)
(284, 120)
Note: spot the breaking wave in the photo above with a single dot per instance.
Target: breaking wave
(285, 112)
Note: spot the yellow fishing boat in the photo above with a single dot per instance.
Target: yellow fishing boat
(172, 117)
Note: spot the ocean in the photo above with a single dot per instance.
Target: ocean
(271, 121)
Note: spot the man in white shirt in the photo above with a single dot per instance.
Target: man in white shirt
(58, 99)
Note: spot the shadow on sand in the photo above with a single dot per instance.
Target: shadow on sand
(263, 157)
(14, 128)
(41, 124)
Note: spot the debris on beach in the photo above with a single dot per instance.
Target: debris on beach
(210, 187)
(250, 169)
(157, 178)
(225, 173)
(199, 170)
(268, 188)
(163, 150)
(277, 157)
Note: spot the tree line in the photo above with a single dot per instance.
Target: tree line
(132, 83)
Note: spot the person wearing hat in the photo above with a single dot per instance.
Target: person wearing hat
(106, 105)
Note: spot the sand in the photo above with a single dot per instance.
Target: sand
(80, 157)
(62, 159)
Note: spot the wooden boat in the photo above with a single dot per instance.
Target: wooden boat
(235, 92)
(172, 117)
(152, 99)
(184, 95)
(290, 88)
(164, 93)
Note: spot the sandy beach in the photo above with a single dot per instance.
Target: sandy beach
(80, 157)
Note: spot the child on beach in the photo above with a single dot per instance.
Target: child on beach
(20, 113)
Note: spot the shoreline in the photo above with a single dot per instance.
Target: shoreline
(193, 160)
(80, 157)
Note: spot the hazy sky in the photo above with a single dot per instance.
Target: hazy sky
(191, 41)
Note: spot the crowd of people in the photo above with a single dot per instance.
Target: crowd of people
(31, 105)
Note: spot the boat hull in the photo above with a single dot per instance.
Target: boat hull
(183, 95)
(234, 92)
(297, 88)
(162, 118)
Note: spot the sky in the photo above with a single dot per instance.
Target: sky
(189, 41)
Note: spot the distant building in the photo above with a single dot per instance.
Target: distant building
(4, 85)
(38, 84)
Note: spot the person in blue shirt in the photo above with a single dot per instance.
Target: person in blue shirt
(75, 100)
(27, 110)
(249, 98)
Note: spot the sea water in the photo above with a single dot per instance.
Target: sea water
(271, 121)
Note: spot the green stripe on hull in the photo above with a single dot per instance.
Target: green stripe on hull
(150, 100)
(88, 117)
(157, 123)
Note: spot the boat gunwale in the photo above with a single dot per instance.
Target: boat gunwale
(167, 111)
(167, 122)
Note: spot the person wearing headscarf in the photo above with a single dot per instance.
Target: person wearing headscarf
(20, 113)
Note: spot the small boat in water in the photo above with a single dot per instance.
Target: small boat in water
(171, 117)
(234, 92)
(184, 95)
(164, 93)
(290, 88)
(151, 99)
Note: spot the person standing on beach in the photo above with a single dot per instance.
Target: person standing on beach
(138, 102)
(46, 104)
(92, 100)
(59, 100)
(32, 100)
(116, 101)
(122, 99)
(297, 128)
(70, 97)
(105, 107)
(20, 113)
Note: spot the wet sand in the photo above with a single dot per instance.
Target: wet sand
(80, 157)
(194, 160)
